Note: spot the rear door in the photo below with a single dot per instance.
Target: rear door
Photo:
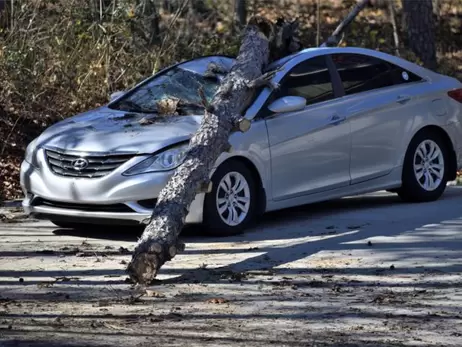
(310, 149)
(380, 103)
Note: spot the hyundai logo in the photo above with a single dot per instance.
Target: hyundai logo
(80, 164)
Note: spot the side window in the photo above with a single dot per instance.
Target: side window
(361, 73)
(309, 79)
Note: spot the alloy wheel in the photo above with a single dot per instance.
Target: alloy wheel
(429, 165)
(233, 198)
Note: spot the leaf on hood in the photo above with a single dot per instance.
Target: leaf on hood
(167, 106)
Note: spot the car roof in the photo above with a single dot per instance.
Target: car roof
(314, 51)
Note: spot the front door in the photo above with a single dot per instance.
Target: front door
(310, 149)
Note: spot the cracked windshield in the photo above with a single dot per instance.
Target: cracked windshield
(177, 84)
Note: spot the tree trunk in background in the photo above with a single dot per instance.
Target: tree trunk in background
(145, 26)
(436, 8)
(159, 242)
(171, 5)
(421, 30)
(392, 14)
(3, 14)
(192, 6)
(199, 7)
(166, 6)
(241, 12)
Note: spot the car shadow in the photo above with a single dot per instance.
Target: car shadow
(368, 205)
(269, 220)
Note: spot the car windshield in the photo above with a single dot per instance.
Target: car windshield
(177, 83)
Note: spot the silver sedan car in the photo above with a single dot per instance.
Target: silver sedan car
(344, 121)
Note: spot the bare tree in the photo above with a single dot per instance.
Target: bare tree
(437, 8)
(421, 30)
(241, 12)
(3, 14)
(337, 35)
(392, 13)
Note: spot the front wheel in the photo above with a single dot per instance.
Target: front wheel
(424, 170)
(231, 207)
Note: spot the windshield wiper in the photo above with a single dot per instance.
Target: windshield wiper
(133, 107)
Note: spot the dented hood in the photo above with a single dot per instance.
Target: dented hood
(106, 130)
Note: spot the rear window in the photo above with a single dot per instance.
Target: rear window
(360, 73)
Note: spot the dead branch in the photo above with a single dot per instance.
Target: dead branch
(336, 37)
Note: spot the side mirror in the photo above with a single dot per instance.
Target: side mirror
(116, 95)
(287, 104)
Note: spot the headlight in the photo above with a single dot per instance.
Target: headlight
(165, 161)
(31, 153)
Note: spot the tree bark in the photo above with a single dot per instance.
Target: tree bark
(159, 242)
(318, 23)
(392, 13)
(421, 30)
(4, 14)
(241, 12)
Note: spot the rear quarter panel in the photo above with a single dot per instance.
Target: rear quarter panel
(454, 125)
(433, 107)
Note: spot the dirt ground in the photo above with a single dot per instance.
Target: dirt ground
(363, 271)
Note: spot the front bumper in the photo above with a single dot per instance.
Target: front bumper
(107, 199)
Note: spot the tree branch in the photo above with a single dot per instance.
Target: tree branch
(337, 35)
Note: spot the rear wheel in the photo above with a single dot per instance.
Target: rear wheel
(231, 207)
(425, 168)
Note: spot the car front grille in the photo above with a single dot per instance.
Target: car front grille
(149, 204)
(82, 207)
(94, 166)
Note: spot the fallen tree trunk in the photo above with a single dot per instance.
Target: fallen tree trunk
(262, 41)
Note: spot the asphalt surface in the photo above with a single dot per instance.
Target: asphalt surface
(360, 271)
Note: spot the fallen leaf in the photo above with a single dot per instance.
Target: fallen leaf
(154, 294)
(146, 121)
(45, 284)
(124, 250)
(176, 317)
(66, 279)
(217, 301)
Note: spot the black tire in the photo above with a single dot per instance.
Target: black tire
(411, 190)
(213, 222)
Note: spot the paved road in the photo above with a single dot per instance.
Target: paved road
(359, 271)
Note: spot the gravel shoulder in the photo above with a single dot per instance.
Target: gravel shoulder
(361, 271)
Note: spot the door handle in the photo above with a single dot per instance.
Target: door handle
(402, 99)
(336, 119)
